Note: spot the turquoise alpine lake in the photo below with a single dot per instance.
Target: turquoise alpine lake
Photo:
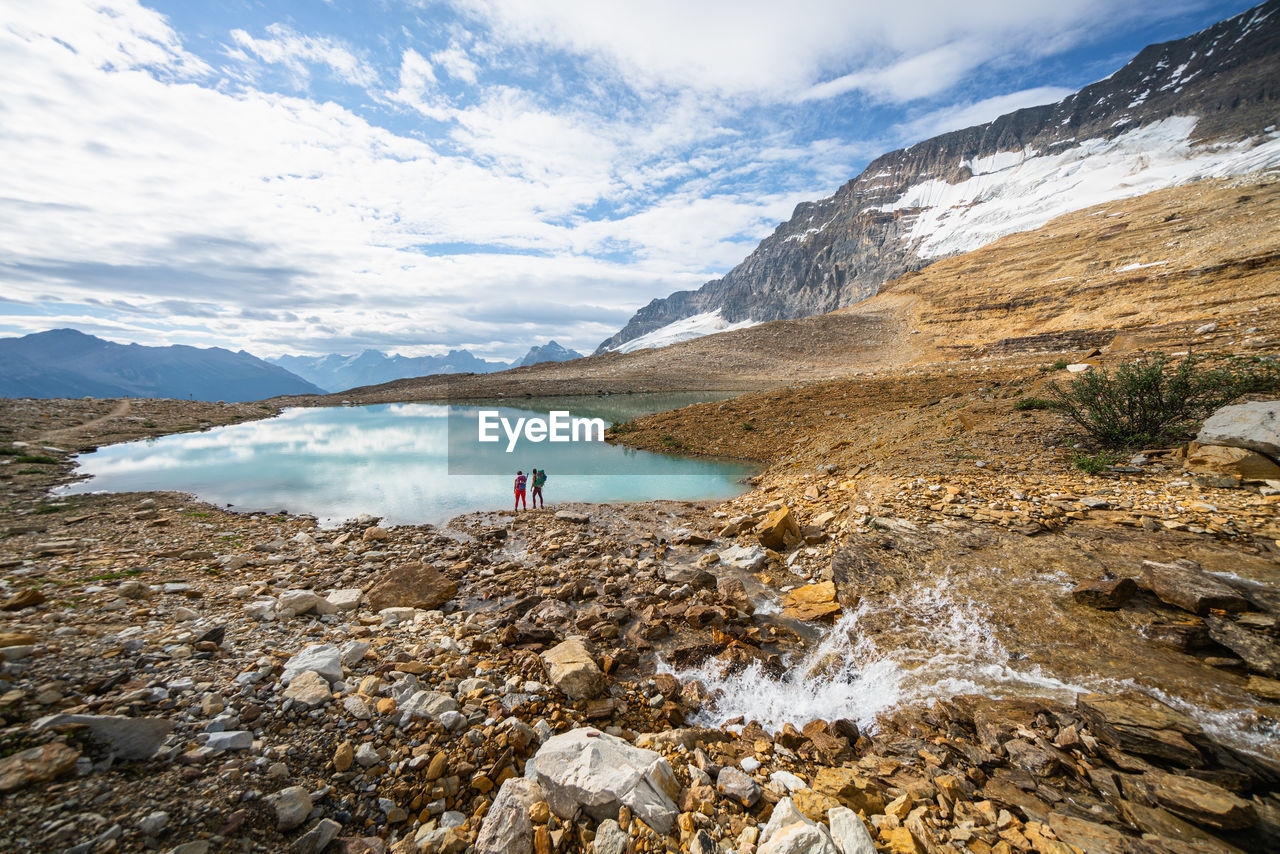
(392, 461)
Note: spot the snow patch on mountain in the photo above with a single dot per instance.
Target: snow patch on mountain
(707, 323)
(1020, 191)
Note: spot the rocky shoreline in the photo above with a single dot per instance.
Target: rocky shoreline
(181, 678)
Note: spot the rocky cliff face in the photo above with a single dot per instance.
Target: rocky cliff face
(1201, 106)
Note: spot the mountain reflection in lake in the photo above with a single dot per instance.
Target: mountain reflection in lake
(391, 461)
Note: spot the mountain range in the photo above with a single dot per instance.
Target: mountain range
(68, 363)
(1199, 107)
(336, 372)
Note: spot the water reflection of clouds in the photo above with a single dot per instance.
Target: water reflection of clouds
(387, 460)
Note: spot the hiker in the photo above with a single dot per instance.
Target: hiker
(539, 479)
(520, 482)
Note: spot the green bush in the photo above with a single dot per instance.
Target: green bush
(36, 458)
(1149, 400)
(1035, 403)
(1094, 463)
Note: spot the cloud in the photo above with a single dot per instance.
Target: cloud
(456, 63)
(966, 115)
(298, 53)
(765, 50)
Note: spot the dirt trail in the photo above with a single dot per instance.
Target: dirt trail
(121, 409)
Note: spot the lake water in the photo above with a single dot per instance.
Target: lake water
(392, 461)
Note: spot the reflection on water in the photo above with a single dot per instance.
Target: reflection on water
(389, 460)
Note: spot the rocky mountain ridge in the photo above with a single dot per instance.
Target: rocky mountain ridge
(67, 363)
(335, 372)
(1196, 107)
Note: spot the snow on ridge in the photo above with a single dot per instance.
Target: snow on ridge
(955, 218)
(707, 323)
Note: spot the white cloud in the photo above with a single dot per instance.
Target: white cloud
(805, 48)
(455, 61)
(296, 52)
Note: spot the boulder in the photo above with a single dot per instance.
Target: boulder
(778, 530)
(790, 832)
(570, 516)
(36, 765)
(1255, 426)
(128, 738)
(1189, 588)
(1137, 723)
(23, 599)
(1259, 653)
(811, 602)
(291, 603)
(1200, 801)
(427, 704)
(573, 670)
(1105, 594)
(324, 658)
(856, 792)
(588, 769)
(1233, 462)
(413, 585)
(507, 828)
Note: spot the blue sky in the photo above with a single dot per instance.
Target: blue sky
(317, 177)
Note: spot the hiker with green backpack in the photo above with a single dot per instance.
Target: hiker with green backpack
(539, 478)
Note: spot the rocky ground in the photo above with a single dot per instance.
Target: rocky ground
(178, 677)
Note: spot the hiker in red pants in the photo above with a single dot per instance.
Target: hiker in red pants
(520, 482)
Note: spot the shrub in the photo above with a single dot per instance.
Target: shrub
(36, 458)
(1146, 400)
(1094, 463)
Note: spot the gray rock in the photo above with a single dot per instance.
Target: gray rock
(294, 602)
(292, 806)
(198, 846)
(850, 834)
(367, 755)
(573, 669)
(318, 837)
(428, 704)
(153, 823)
(128, 738)
(238, 739)
(507, 828)
(570, 516)
(353, 652)
(610, 838)
(325, 659)
(734, 784)
(1255, 426)
(588, 769)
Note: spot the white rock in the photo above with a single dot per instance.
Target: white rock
(573, 670)
(291, 603)
(850, 834)
(600, 773)
(507, 828)
(263, 609)
(789, 832)
(610, 839)
(1255, 426)
(347, 599)
(752, 557)
(428, 704)
(153, 823)
(352, 652)
(325, 659)
(357, 707)
(367, 756)
(788, 781)
(309, 689)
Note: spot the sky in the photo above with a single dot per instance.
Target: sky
(417, 175)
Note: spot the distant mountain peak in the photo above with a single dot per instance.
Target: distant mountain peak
(70, 363)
